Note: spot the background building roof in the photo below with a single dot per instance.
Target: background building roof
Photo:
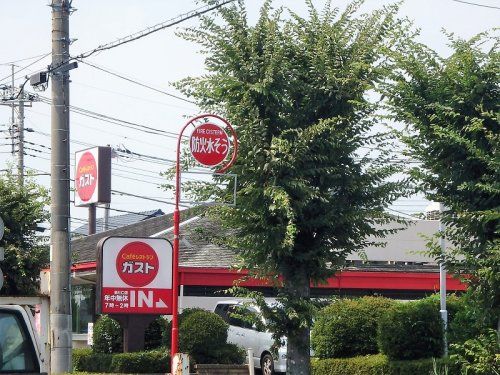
(119, 221)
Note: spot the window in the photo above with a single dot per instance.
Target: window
(17, 353)
(245, 317)
(83, 307)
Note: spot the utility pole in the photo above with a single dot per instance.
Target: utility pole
(60, 286)
(11, 97)
(20, 134)
(13, 113)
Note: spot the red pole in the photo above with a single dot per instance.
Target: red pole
(174, 347)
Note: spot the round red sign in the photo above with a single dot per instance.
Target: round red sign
(137, 264)
(209, 144)
(86, 176)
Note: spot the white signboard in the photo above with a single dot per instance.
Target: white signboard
(136, 275)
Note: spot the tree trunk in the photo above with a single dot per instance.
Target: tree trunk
(498, 329)
(296, 285)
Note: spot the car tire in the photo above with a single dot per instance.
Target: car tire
(267, 364)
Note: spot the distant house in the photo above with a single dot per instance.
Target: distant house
(397, 270)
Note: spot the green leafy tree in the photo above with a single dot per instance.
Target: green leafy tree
(450, 107)
(22, 210)
(308, 194)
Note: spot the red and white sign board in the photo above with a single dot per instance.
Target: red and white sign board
(135, 275)
(93, 176)
(209, 144)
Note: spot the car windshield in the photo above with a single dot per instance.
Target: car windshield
(16, 350)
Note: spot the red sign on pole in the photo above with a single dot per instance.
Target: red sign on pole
(209, 144)
(93, 176)
(86, 176)
(135, 276)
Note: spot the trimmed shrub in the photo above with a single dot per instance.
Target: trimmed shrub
(411, 330)
(380, 364)
(108, 336)
(166, 335)
(201, 334)
(348, 327)
(139, 362)
(229, 354)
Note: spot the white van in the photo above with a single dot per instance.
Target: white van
(20, 347)
(247, 335)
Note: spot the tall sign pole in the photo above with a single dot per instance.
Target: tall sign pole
(209, 145)
(60, 287)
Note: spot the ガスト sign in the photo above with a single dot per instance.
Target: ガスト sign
(135, 276)
(93, 176)
(86, 176)
(209, 144)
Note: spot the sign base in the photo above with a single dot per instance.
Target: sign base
(134, 327)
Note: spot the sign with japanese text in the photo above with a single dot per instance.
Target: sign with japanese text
(135, 276)
(93, 176)
(209, 144)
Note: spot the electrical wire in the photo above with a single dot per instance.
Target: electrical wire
(476, 4)
(400, 212)
(96, 129)
(150, 30)
(131, 96)
(137, 82)
(25, 59)
(26, 67)
(116, 121)
(141, 197)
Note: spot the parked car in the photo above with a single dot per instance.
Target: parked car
(247, 330)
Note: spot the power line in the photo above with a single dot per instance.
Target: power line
(97, 129)
(400, 212)
(137, 82)
(116, 121)
(128, 212)
(26, 67)
(160, 26)
(130, 96)
(25, 59)
(476, 4)
(141, 197)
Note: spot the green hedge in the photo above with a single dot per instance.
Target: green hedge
(380, 365)
(411, 330)
(348, 327)
(86, 360)
(138, 362)
(141, 362)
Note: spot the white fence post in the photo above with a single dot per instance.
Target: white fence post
(251, 369)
